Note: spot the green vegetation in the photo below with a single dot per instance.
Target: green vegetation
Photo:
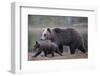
(51, 21)
(31, 40)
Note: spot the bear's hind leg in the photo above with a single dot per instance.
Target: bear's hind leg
(82, 48)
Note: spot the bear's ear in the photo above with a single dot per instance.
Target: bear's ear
(48, 29)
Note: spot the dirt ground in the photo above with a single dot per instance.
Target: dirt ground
(65, 55)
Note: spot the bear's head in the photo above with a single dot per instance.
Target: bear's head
(46, 34)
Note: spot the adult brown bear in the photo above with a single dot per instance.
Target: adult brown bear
(69, 37)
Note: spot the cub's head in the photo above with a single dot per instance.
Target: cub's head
(46, 34)
(36, 46)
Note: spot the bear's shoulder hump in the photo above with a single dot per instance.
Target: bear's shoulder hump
(57, 30)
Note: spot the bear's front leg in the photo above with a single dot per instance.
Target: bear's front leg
(72, 49)
(61, 48)
(52, 54)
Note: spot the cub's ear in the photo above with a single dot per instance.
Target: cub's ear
(48, 29)
(37, 42)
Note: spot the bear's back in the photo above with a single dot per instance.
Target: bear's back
(66, 36)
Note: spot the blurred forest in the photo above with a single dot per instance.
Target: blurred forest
(57, 21)
(36, 23)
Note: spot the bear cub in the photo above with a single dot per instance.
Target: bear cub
(47, 47)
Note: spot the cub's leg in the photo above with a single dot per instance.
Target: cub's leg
(38, 53)
(45, 53)
(58, 52)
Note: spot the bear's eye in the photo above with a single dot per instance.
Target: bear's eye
(44, 34)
